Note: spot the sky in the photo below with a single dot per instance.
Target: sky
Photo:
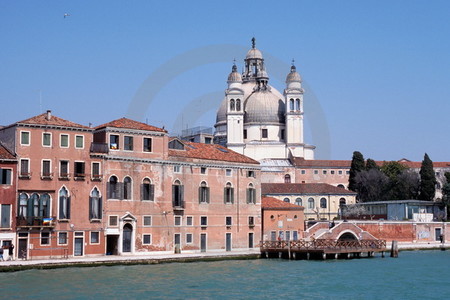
(375, 73)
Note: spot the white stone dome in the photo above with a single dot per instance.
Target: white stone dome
(293, 76)
(254, 53)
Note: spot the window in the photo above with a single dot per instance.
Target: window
(228, 221)
(147, 190)
(232, 105)
(79, 170)
(189, 221)
(114, 142)
(251, 221)
(251, 194)
(297, 104)
(298, 201)
(245, 134)
(113, 220)
(340, 172)
(25, 138)
(128, 143)
(282, 134)
(177, 194)
(188, 238)
(203, 221)
(323, 203)
(311, 204)
(146, 239)
(332, 172)
(46, 169)
(96, 175)
(95, 237)
(238, 105)
(23, 201)
(303, 172)
(64, 169)
(208, 140)
(64, 140)
(113, 188)
(5, 176)
(45, 238)
(264, 133)
(342, 201)
(341, 186)
(228, 172)
(79, 141)
(291, 104)
(64, 204)
(347, 172)
(316, 172)
(95, 205)
(287, 178)
(228, 194)
(46, 139)
(177, 220)
(147, 145)
(202, 170)
(25, 167)
(177, 169)
(203, 193)
(251, 174)
(147, 221)
(62, 238)
(5, 216)
(287, 200)
(127, 192)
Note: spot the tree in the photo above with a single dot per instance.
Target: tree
(407, 186)
(427, 180)
(372, 185)
(371, 164)
(356, 167)
(446, 192)
(393, 170)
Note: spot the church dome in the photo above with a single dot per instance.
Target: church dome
(264, 107)
(234, 76)
(293, 76)
(254, 53)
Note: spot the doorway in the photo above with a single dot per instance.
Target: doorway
(437, 234)
(22, 251)
(203, 242)
(250, 240)
(126, 241)
(112, 244)
(78, 246)
(228, 241)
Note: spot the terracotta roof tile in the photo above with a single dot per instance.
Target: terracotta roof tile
(52, 121)
(130, 124)
(5, 154)
(210, 152)
(270, 202)
(302, 188)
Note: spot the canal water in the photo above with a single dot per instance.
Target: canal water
(414, 275)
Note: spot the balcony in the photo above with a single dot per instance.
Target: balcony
(25, 175)
(47, 176)
(99, 148)
(96, 177)
(35, 222)
(64, 176)
(79, 176)
(178, 205)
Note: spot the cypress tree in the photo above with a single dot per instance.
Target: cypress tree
(356, 167)
(427, 180)
(371, 164)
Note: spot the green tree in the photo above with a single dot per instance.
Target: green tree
(393, 170)
(446, 192)
(371, 164)
(356, 167)
(427, 180)
(372, 185)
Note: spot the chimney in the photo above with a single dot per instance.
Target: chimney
(48, 117)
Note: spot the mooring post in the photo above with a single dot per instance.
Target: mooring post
(307, 256)
(382, 254)
(267, 254)
(394, 249)
(293, 255)
(280, 254)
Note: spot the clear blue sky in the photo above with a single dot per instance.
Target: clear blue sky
(378, 69)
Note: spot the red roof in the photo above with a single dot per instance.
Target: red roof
(43, 119)
(5, 154)
(302, 188)
(210, 152)
(273, 203)
(130, 124)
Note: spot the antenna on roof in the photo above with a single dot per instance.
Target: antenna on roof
(40, 101)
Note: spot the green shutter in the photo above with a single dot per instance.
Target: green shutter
(207, 195)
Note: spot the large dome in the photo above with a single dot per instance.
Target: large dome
(259, 107)
(254, 53)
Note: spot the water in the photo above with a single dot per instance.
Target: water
(414, 275)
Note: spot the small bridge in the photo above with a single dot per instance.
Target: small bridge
(323, 248)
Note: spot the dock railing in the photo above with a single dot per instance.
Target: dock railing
(324, 245)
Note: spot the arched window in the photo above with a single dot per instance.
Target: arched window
(178, 194)
(203, 193)
(251, 194)
(64, 204)
(232, 105)
(127, 189)
(311, 204)
(287, 178)
(342, 201)
(228, 194)
(291, 104)
(147, 190)
(44, 209)
(299, 201)
(323, 203)
(287, 200)
(23, 201)
(95, 205)
(341, 186)
(34, 199)
(113, 188)
(297, 104)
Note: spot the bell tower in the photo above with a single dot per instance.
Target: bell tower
(235, 111)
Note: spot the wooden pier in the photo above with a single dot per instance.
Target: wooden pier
(322, 248)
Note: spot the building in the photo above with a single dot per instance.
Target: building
(321, 201)
(281, 220)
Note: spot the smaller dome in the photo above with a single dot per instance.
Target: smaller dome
(254, 53)
(234, 76)
(293, 76)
